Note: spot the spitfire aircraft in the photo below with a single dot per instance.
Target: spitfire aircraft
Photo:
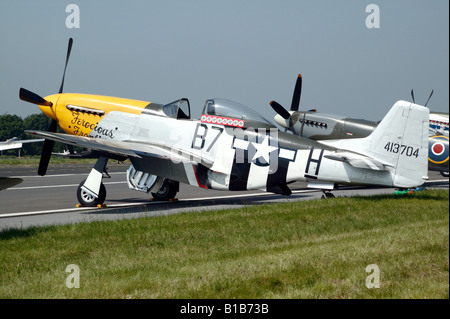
(231, 147)
(439, 123)
(319, 126)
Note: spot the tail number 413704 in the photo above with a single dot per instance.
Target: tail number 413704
(402, 149)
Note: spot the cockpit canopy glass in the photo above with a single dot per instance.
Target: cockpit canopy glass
(179, 109)
(227, 108)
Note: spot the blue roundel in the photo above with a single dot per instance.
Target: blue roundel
(438, 149)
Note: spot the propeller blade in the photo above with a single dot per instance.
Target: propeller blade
(69, 48)
(412, 95)
(429, 97)
(280, 110)
(297, 93)
(47, 150)
(31, 97)
(53, 126)
(45, 156)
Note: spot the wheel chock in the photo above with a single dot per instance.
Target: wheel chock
(173, 200)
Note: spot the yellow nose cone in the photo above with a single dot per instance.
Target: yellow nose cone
(50, 111)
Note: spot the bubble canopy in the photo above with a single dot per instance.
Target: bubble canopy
(231, 109)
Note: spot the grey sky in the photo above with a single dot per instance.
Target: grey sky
(249, 51)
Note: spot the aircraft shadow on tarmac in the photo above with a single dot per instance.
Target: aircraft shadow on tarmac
(163, 208)
(210, 204)
(7, 182)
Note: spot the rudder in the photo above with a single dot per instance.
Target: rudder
(401, 140)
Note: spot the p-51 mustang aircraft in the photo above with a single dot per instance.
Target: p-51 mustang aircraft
(319, 126)
(231, 147)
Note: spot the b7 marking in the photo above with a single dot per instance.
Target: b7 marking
(201, 135)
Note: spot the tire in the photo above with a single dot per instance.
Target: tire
(445, 174)
(327, 195)
(167, 191)
(86, 199)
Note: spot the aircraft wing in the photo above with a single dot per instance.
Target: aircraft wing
(4, 147)
(16, 143)
(122, 148)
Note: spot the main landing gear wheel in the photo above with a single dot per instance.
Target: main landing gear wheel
(87, 199)
(445, 174)
(167, 191)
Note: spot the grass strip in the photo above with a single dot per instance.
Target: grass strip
(301, 249)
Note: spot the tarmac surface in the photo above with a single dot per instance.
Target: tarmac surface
(32, 200)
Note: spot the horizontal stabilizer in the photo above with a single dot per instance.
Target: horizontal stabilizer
(359, 161)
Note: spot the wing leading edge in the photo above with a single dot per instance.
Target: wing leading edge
(132, 149)
(116, 148)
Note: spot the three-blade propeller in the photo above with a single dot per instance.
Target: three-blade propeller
(31, 97)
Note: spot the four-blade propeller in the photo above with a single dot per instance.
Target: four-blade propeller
(295, 104)
(277, 107)
(31, 97)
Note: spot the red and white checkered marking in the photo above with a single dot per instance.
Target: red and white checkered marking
(435, 122)
(222, 120)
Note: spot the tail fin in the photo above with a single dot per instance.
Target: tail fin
(401, 139)
(399, 142)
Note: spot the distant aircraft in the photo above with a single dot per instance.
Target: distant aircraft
(14, 143)
(231, 147)
(320, 126)
(70, 153)
(439, 123)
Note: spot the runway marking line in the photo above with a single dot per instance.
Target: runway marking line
(57, 186)
(60, 175)
(77, 209)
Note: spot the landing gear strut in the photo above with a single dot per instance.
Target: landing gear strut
(91, 192)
